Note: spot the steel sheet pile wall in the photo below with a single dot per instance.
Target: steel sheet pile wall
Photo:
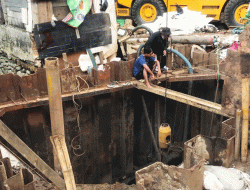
(101, 147)
(216, 150)
(23, 179)
(122, 70)
(14, 88)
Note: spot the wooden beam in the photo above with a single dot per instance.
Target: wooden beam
(45, 11)
(32, 157)
(200, 70)
(12, 106)
(183, 98)
(182, 75)
(192, 77)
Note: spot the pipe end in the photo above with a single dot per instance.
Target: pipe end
(51, 62)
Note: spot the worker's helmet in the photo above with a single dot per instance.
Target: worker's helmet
(165, 31)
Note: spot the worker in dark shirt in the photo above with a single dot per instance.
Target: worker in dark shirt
(158, 42)
(146, 64)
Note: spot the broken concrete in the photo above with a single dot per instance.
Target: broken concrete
(161, 176)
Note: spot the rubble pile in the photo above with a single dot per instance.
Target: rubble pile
(9, 66)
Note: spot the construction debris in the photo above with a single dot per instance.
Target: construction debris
(219, 178)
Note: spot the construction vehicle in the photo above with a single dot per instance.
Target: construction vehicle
(229, 12)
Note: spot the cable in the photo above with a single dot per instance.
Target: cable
(78, 109)
(217, 86)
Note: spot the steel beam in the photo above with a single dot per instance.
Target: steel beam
(45, 100)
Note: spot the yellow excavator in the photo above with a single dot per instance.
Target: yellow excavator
(229, 12)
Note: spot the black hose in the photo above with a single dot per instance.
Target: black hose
(139, 50)
(142, 27)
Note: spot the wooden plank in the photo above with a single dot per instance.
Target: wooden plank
(28, 154)
(192, 77)
(183, 98)
(45, 11)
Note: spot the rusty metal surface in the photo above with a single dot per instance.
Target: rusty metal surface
(42, 85)
(22, 180)
(3, 175)
(99, 158)
(68, 80)
(161, 176)
(29, 87)
(7, 165)
(9, 88)
(215, 150)
(228, 128)
(20, 104)
(15, 182)
(101, 77)
(112, 65)
(55, 103)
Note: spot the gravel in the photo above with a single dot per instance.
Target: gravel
(9, 66)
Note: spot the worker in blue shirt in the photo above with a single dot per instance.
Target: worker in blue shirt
(145, 65)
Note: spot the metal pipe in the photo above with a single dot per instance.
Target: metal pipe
(158, 154)
(199, 40)
(245, 121)
(55, 98)
(237, 134)
(55, 101)
(61, 156)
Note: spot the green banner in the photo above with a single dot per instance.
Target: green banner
(78, 10)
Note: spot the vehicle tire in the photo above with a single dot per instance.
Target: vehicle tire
(142, 27)
(146, 11)
(234, 11)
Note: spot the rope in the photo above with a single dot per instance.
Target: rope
(78, 109)
(217, 85)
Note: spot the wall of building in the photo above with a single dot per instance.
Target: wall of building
(18, 21)
(16, 25)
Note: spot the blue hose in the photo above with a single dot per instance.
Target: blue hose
(190, 69)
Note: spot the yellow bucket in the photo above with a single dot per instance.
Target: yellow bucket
(164, 135)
